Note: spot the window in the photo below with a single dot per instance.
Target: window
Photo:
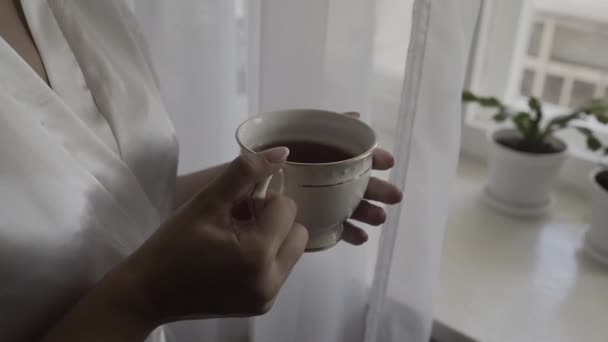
(567, 60)
(527, 82)
(535, 39)
(556, 50)
(552, 88)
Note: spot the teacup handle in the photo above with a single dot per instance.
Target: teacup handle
(258, 195)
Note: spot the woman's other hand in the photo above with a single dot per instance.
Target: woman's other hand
(379, 191)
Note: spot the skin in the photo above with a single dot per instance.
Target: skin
(14, 30)
(201, 241)
(200, 263)
(367, 212)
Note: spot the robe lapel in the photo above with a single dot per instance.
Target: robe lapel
(64, 128)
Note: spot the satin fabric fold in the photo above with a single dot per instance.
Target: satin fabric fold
(87, 167)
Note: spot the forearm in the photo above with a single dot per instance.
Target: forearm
(112, 311)
(189, 185)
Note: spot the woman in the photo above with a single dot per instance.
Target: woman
(91, 248)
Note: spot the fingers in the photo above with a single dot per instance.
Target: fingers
(292, 249)
(383, 191)
(275, 222)
(242, 210)
(382, 159)
(243, 173)
(369, 213)
(354, 235)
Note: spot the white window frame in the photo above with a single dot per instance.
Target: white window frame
(543, 65)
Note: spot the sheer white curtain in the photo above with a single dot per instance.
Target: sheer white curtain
(401, 63)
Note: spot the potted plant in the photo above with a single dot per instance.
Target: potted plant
(596, 239)
(526, 159)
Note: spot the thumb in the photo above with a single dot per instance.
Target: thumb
(239, 178)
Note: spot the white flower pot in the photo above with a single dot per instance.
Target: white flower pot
(521, 183)
(596, 239)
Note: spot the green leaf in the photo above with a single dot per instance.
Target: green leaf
(534, 104)
(584, 130)
(593, 143)
(606, 151)
(524, 124)
(467, 96)
(597, 108)
(598, 103)
(563, 120)
(601, 117)
(489, 102)
(500, 116)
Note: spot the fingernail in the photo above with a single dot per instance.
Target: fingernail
(399, 197)
(275, 155)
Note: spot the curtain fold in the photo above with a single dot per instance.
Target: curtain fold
(312, 55)
(427, 148)
(402, 149)
(340, 55)
(194, 47)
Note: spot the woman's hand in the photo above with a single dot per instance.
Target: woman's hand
(202, 262)
(378, 190)
(205, 261)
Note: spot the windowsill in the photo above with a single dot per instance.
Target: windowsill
(511, 279)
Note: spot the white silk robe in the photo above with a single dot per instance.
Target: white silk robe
(87, 165)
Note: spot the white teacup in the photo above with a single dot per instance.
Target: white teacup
(326, 192)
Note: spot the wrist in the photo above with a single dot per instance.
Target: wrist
(126, 301)
(112, 311)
